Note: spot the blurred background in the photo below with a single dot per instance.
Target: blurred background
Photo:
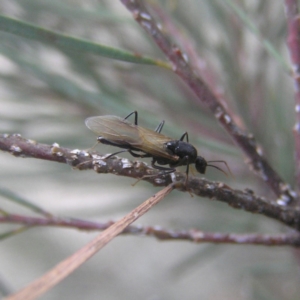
(46, 93)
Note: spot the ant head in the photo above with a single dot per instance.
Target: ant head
(200, 164)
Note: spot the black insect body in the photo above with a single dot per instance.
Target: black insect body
(143, 142)
(187, 154)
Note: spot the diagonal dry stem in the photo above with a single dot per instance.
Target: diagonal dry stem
(66, 267)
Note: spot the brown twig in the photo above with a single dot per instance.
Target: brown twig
(184, 40)
(182, 68)
(63, 269)
(192, 235)
(82, 160)
(293, 41)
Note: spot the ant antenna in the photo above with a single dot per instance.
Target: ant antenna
(219, 161)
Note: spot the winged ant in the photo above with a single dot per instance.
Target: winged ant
(143, 142)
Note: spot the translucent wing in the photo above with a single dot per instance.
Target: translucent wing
(154, 143)
(122, 132)
(114, 129)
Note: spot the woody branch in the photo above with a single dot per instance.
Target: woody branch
(194, 236)
(293, 41)
(82, 160)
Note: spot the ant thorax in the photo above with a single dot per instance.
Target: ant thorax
(182, 149)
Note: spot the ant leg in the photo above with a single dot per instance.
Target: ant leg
(167, 170)
(113, 154)
(102, 140)
(187, 172)
(185, 135)
(107, 157)
(171, 170)
(139, 155)
(164, 169)
(182, 162)
(160, 126)
(130, 151)
(107, 142)
(135, 118)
